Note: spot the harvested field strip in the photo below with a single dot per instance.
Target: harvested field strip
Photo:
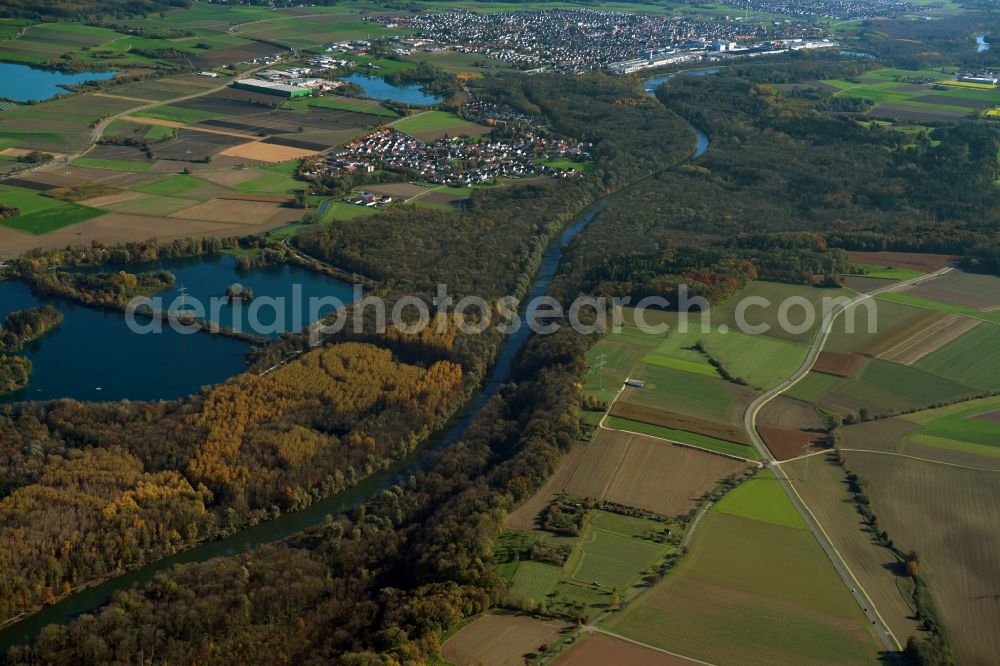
(925, 263)
(950, 516)
(117, 165)
(500, 640)
(683, 437)
(822, 483)
(266, 152)
(786, 444)
(838, 363)
(936, 334)
(646, 473)
(660, 417)
(898, 333)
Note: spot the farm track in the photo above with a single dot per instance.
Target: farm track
(890, 641)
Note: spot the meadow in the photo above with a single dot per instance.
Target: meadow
(41, 214)
(768, 588)
(429, 121)
(612, 553)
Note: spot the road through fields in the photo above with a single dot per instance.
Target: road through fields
(890, 641)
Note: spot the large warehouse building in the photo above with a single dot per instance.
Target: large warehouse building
(271, 88)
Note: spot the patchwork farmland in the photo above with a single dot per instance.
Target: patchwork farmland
(756, 576)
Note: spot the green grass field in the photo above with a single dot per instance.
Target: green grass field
(888, 272)
(610, 560)
(340, 103)
(769, 315)
(684, 437)
(534, 580)
(751, 592)
(814, 387)
(928, 304)
(884, 386)
(429, 121)
(170, 186)
(973, 359)
(761, 498)
(41, 214)
(177, 114)
(275, 182)
(960, 427)
(696, 395)
(340, 211)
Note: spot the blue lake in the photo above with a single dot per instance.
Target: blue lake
(378, 88)
(22, 83)
(94, 355)
(982, 44)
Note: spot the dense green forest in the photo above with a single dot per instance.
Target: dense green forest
(783, 186)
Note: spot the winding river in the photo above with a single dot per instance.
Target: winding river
(289, 524)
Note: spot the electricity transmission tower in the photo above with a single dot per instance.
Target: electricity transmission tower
(602, 361)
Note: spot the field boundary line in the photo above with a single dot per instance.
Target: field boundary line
(693, 660)
(926, 460)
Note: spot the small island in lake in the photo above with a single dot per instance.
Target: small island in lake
(20, 328)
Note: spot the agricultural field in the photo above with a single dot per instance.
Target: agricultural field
(949, 516)
(314, 29)
(41, 214)
(822, 484)
(965, 433)
(431, 125)
(911, 261)
(939, 100)
(767, 319)
(972, 358)
(759, 581)
(958, 288)
(213, 200)
(107, 48)
(501, 639)
(647, 473)
(357, 105)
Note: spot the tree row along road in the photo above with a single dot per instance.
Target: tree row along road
(889, 640)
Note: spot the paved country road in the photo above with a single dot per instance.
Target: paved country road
(890, 641)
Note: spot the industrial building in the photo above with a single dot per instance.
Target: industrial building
(272, 88)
